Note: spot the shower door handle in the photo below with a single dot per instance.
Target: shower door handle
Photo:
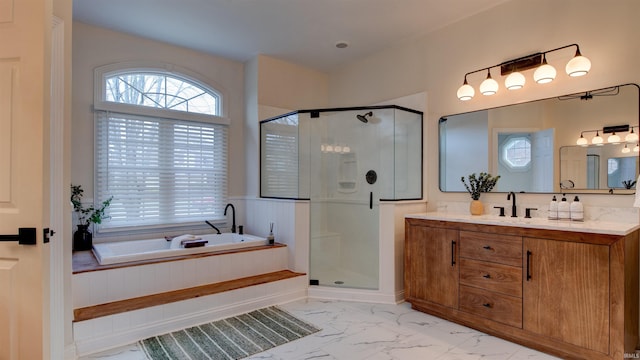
(370, 199)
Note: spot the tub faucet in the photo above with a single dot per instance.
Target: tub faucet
(514, 212)
(233, 216)
(213, 226)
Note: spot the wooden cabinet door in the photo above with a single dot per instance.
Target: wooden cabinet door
(431, 269)
(566, 292)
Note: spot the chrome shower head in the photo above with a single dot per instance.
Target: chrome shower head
(363, 117)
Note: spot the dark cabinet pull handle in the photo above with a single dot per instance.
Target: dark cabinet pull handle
(371, 200)
(528, 265)
(453, 253)
(487, 305)
(487, 276)
(487, 247)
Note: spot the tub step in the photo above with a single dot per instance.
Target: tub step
(116, 307)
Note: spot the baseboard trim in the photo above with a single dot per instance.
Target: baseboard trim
(345, 294)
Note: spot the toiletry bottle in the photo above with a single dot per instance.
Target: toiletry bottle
(564, 209)
(553, 209)
(577, 210)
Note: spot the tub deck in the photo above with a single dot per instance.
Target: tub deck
(85, 261)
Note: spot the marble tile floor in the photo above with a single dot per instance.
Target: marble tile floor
(354, 331)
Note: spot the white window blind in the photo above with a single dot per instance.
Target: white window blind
(159, 171)
(280, 161)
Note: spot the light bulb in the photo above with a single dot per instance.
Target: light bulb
(545, 73)
(465, 92)
(613, 138)
(597, 140)
(514, 81)
(581, 141)
(579, 65)
(489, 86)
(631, 137)
(625, 149)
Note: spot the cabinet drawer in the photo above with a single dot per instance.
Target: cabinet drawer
(500, 278)
(491, 305)
(503, 249)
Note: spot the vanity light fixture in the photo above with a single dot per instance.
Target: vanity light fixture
(545, 73)
(489, 86)
(597, 140)
(614, 138)
(625, 149)
(631, 137)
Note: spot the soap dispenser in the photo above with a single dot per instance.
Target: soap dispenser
(564, 209)
(577, 210)
(270, 238)
(553, 209)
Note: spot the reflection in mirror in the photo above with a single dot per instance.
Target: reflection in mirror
(531, 145)
(598, 167)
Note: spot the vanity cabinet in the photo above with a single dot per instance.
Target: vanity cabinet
(571, 294)
(566, 292)
(432, 262)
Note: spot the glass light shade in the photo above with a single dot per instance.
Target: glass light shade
(578, 66)
(613, 138)
(514, 81)
(597, 140)
(323, 148)
(337, 149)
(636, 148)
(329, 148)
(582, 141)
(346, 149)
(631, 137)
(544, 74)
(625, 149)
(466, 92)
(489, 87)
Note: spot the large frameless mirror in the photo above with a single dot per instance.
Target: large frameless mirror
(534, 147)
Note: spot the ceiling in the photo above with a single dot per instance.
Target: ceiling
(304, 32)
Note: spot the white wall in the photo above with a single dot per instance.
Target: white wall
(94, 47)
(436, 63)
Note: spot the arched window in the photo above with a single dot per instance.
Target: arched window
(160, 149)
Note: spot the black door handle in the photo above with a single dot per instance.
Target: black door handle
(370, 199)
(26, 236)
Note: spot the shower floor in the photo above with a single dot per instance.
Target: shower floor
(343, 278)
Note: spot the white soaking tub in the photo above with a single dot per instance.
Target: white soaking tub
(125, 251)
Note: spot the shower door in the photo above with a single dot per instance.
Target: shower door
(346, 179)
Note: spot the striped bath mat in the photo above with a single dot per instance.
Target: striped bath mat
(232, 338)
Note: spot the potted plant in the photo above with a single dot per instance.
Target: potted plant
(477, 185)
(82, 238)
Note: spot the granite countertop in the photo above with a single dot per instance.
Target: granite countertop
(589, 226)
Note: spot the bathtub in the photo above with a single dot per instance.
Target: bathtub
(125, 251)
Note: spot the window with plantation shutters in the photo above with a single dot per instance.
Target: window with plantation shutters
(280, 159)
(164, 164)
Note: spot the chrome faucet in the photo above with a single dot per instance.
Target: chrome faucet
(514, 212)
(233, 216)
(213, 226)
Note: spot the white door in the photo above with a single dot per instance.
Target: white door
(25, 26)
(542, 160)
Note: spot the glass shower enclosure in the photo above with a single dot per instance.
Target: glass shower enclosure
(345, 162)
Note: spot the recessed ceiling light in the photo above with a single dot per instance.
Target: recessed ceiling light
(342, 44)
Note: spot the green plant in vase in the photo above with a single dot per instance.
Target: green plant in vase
(82, 238)
(477, 185)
